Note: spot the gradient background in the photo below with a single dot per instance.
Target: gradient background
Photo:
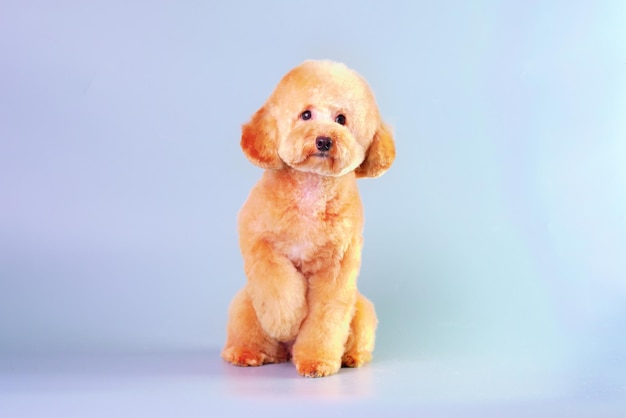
(498, 236)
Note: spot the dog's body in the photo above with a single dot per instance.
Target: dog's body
(301, 227)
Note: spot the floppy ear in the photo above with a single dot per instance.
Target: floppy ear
(380, 154)
(259, 140)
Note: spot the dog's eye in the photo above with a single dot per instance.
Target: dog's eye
(306, 115)
(340, 119)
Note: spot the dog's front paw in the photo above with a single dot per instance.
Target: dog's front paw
(317, 368)
(281, 318)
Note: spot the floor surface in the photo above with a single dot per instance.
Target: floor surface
(201, 385)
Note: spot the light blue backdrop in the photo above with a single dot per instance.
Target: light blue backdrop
(500, 231)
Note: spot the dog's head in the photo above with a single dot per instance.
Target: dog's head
(321, 118)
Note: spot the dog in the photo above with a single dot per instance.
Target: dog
(300, 230)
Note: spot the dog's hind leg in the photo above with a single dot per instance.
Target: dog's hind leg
(360, 343)
(246, 342)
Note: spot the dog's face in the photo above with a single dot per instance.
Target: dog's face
(322, 118)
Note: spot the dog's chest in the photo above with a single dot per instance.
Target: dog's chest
(311, 200)
(312, 222)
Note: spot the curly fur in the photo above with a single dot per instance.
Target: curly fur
(301, 228)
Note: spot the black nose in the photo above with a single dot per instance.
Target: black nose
(323, 143)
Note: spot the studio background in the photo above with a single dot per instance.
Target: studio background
(498, 236)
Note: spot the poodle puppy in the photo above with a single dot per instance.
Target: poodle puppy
(301, 227)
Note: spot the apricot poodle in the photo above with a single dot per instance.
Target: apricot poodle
(301, 228)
